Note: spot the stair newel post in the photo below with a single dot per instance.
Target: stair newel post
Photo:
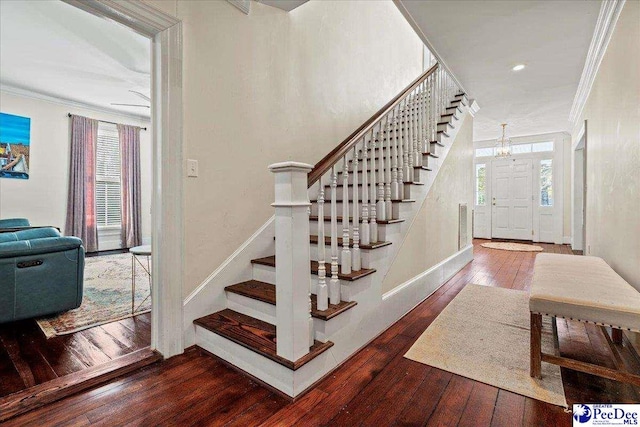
(401, 158)
(293, 274)
(355, 252)
(365, 236)
(321, 290)
(395, 188)
(380, 207)
(346, 254)
(334, 284)
(373, 222)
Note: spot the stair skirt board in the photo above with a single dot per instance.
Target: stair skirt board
(348, 336)
(348, 331)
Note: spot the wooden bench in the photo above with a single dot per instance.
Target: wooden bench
(586, 289)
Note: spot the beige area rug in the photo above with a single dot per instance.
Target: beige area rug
(107, 296)
(507, 246)
(483, 334)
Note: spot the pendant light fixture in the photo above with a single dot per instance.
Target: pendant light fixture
(503, 146)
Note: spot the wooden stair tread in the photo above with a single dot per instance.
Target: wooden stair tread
(339, 219)
(354, 275)
(327, 240)
(255, 335)
(266, 292)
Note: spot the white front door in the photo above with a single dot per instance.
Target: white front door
(511, 210)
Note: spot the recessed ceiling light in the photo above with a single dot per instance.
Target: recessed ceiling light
(518, 67)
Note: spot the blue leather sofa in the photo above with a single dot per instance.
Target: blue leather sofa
(41, 272)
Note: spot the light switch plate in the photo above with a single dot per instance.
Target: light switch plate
(192, 168)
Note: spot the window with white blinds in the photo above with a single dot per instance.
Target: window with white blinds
(108, 201)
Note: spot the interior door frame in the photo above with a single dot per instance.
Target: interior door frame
(165, 33)
(561, 141)
(580, 143)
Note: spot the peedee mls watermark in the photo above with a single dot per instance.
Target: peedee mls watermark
(606, 415)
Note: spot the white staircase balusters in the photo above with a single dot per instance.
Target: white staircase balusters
(419, 127)
(321, 290)
(409, 124)
(334, 284)
(365, 236)
(373, 222)
(395, 187)
(355, 252)
(408, 174)
(346, 254)
(401, 158)
(416, 127)
(424, 145)
(386, 156)
(380, 208)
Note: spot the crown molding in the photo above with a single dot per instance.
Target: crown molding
(243, 5)
(26, 93)
(403, 10)
(139, 16)
(606, 23)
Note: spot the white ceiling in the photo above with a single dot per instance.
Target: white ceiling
(480, 41)
(58, 50)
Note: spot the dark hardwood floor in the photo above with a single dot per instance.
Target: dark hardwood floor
(376, 387)
(27, 358)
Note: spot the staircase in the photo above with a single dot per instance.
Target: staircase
(316, 298)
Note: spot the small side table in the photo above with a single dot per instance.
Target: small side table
(136, 253)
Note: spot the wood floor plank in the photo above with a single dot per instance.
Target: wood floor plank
(480, 406)
(425, 399)
(452, 403)
(509, 410)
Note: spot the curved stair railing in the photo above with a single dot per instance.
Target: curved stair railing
(366, 175)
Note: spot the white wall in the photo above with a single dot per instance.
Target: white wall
(274, 86)
(613, 151)
(43, 197)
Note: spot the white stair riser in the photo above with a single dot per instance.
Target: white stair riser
(445, 127)
(385, 231)
(267, 274)
(368, 256)
(252, 307)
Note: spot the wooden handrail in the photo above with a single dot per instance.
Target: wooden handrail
(343, 148)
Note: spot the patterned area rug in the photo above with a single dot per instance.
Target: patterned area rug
(507, 246)
(483, 334)
(107, 296)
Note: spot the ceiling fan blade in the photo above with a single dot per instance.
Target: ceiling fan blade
(141, 95)
(131, 105)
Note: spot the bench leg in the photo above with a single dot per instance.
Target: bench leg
(536, 345)
(616, 335)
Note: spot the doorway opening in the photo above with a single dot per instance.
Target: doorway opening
(164, 332)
